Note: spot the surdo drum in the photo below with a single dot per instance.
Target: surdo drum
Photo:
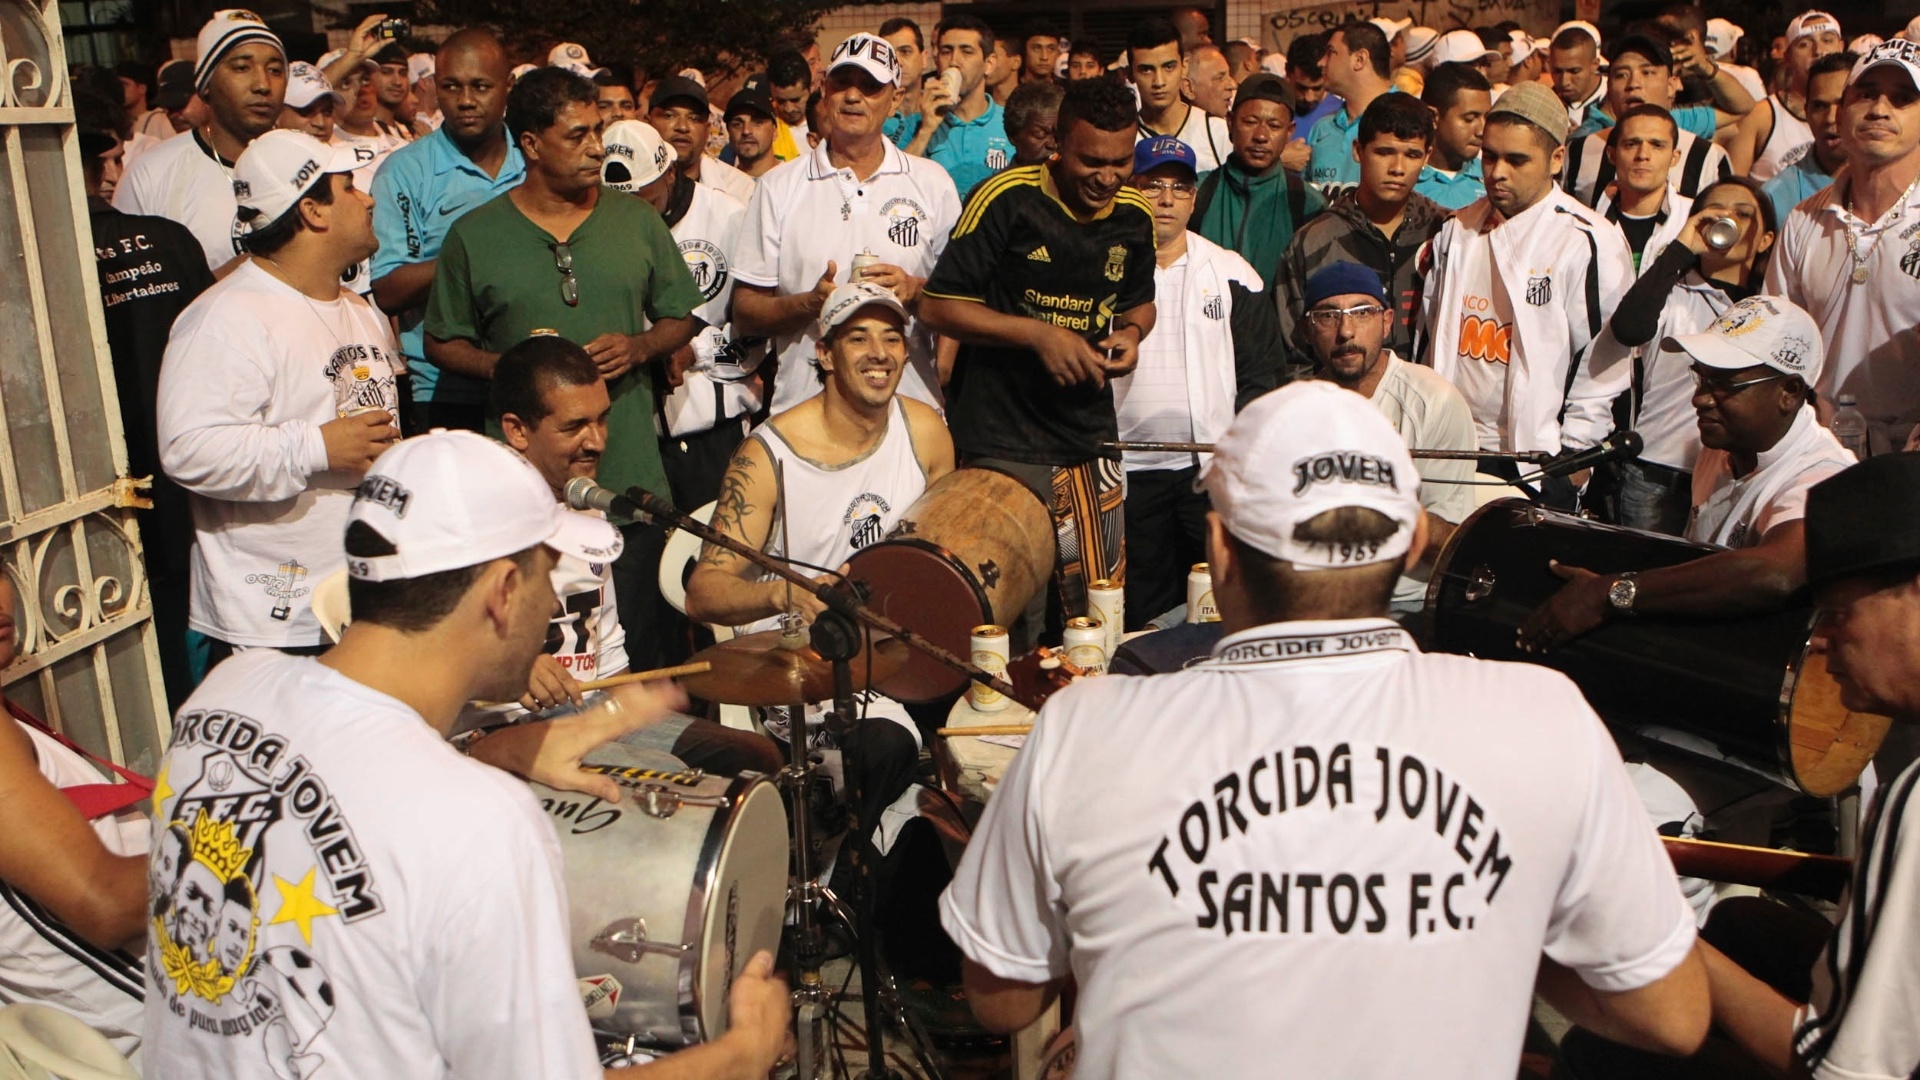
(1744, 689)
(669, 893)
(973, 550)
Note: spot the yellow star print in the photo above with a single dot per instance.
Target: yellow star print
(162, 791)
(298, 905)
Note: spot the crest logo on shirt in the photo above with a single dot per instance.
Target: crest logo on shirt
(1116, 262)
(708, 265)
(1540, 290)
(229, 949)
(1214, 308)
(283, 585)
(864, 519)
(996, 158)
(904, 217)
(1910, 262)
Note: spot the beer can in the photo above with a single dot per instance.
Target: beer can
(861, 264)
(1200, 606)
(1086, 644)
(1721, 233)
(1107, 601)
(991, 653)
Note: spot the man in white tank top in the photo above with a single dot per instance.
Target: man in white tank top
(73, 882)
(851, 458)
(1775, 134)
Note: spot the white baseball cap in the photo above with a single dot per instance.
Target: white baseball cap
(1769, 330)
(1300, 451)
(1899, 53)
(522, 69)
(1420, 42)
(1460, 47)
(1808, 23)
(636, 155)
(451, 499)
(1721, 38)
(327, 59)
(305, 85)
(870, 53)
(1864, 44)
(1524, 46)
(1391, 27)
(571, 56)
(420, 66)
(227, 30)
(277, 168)
(847, 299)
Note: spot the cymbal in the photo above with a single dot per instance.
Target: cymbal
(755, 670)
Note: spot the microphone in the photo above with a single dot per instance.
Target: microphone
(584, 494)
(1620, 446)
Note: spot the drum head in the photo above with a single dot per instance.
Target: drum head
(1827, 745)
(746, 903)
(924, 588)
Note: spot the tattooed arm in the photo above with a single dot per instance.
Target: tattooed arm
(725, 588)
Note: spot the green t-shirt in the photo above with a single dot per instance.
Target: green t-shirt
(495, 283)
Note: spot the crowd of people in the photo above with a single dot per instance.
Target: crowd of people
(372, 311)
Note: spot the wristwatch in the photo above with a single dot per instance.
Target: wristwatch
(1622, 592)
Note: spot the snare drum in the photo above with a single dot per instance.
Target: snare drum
(669, 893)
(1744, 689)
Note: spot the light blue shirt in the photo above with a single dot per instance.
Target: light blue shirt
(1455, 191)
(1331, 141)
(419, 192)
(1796, 184)
(1701, 120)
(901, 128)
(971, 150)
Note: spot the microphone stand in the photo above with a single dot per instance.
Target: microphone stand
(836, 636)
(1112, 450)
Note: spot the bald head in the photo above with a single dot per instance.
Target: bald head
(472, 77)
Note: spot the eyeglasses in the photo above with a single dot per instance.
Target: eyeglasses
(1181, 189)
(1721, 390)
(563, 262)
(1328, 318)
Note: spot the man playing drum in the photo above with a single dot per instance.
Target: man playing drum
(852, 458)
(1351, 826)
(1752, 371)
(352, 897)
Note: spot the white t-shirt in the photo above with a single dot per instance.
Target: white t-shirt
(1790, 140)
(1206, 134)
(806, 213)
(1429, 414)
(253, 368)
(1872, 331)
(180, 180)
(1739, 512)
(357, 900)
(1748, 78)
(45, 962)
(715, 387)
(369, 150)
(1860, 1023)
(1153, 404)
(721, 176)
(1350, 828)
(1486, 337)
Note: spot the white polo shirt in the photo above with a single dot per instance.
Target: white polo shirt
(715, 388)
(721, 176)
(1738, 512)
(1349, 827)
(807, 213)
(1872, 331)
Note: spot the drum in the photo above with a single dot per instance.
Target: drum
(974, 549)
(670, 892)
(1745, 690)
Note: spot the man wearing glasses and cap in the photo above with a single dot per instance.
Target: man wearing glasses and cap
(1281, 873)
(561, 252)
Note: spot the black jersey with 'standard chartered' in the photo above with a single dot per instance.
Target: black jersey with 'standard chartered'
(1018, 250)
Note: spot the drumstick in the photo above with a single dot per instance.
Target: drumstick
(984, 729)
(700, 667)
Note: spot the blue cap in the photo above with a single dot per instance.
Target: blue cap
(1150, 154)
(1344, 278)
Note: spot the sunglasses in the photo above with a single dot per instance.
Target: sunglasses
(563, 262)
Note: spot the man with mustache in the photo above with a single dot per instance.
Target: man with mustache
(679, 111)
(1793, 185)
(1253, 202)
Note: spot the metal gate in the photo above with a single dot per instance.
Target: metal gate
(87, 659)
